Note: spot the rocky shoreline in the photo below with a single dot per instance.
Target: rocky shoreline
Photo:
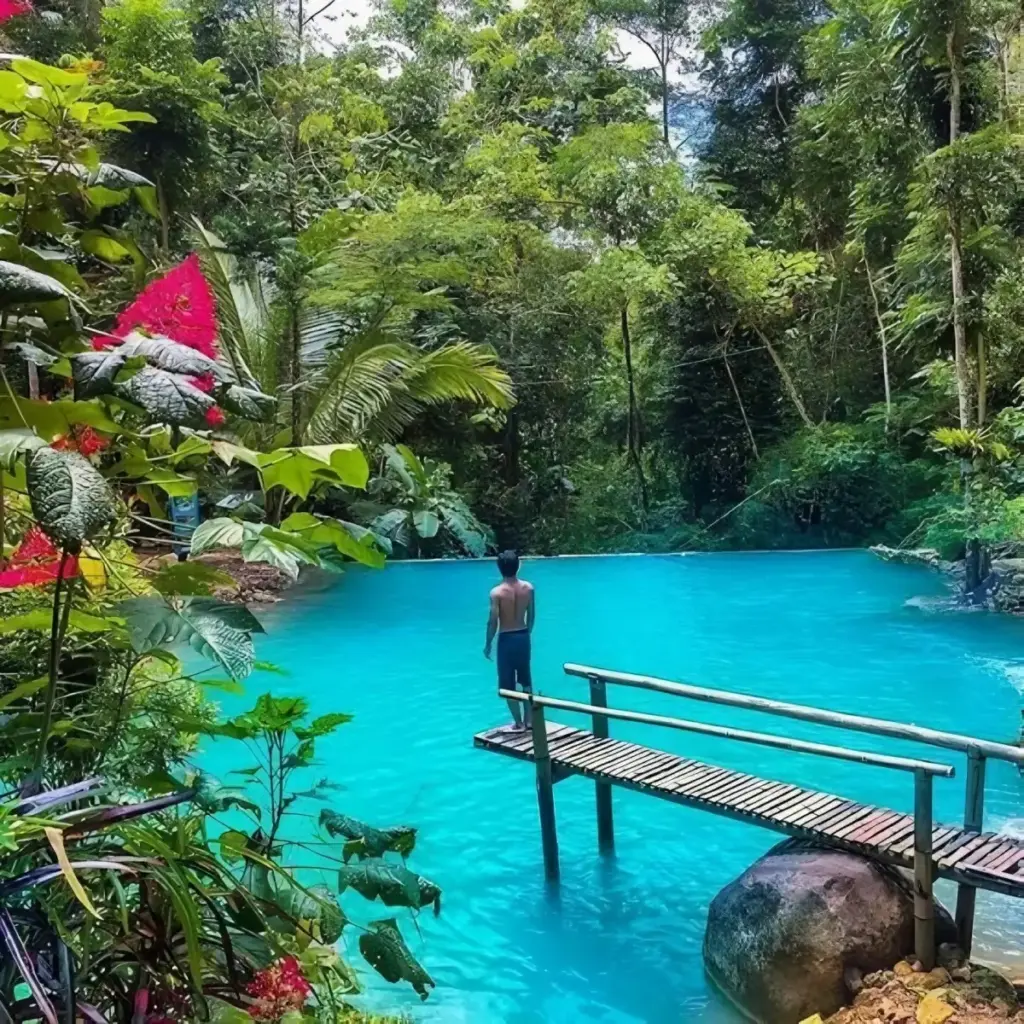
(1002, 590)
(955, 992)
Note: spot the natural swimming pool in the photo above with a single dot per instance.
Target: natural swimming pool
(620, 941)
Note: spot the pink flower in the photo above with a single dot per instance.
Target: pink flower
(34, 544)
(204, 382)
(215, 416)
(178, 306)
(35, 562)
(10, 8)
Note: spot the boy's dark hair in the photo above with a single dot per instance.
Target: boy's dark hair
(508, 563)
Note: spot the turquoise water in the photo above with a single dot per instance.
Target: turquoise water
(619, 943)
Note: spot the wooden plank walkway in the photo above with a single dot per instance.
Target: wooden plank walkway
(983, 859)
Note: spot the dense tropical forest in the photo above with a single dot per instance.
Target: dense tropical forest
(735, 290)
(569, 275)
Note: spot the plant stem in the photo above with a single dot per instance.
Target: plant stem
(58, 625)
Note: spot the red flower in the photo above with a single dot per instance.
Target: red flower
(278, 989)
(9, 8)
(86, 441)
(178, 306)
(89, 442)
(204, 382)
(35, 562)
(215, 416)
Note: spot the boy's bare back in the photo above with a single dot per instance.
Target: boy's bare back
(510, 602)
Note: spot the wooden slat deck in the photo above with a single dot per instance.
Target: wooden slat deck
(982, 859)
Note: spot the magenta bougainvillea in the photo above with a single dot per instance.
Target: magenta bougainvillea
(178, 305)
(10, 8)
(35, 562)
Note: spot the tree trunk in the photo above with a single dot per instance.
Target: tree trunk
(787, 380)
(632, 421)
(885, 346)
(963, 369)
(664, 99)
(165, 214)
(982, 379)
(295, 373)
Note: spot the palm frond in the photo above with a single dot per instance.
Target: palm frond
(319, 329)
(243, 314)
(460, 370)
(376, 388)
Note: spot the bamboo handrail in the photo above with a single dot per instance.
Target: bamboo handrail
(907, 764)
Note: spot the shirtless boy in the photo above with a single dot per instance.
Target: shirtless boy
(512, 616)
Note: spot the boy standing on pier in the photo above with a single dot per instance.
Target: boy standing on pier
(512, 615)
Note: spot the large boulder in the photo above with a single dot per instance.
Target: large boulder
(791, 935)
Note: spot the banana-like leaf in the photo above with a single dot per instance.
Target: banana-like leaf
(385, 951)
(426, 523)
(365, 840)
(217, 630)
(70, 500)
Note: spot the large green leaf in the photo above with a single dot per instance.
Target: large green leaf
(166, 397)
(217, 630)
(297, 470)
(17, 441)
(426, 523)
(348, 539)
(52, 419)
(190, 579)
(385, 951)
(19, 284)
(276, 548)
(393, 884)
(41, 620)
(99, 244)
(257, 542)
(70, 500)
(221, 532)
(365, 840)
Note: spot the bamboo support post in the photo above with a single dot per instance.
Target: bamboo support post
(545, 793)
(974, 814)
(924, 906)
(603, 790)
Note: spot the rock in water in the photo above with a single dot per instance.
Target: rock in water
(780, 938)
